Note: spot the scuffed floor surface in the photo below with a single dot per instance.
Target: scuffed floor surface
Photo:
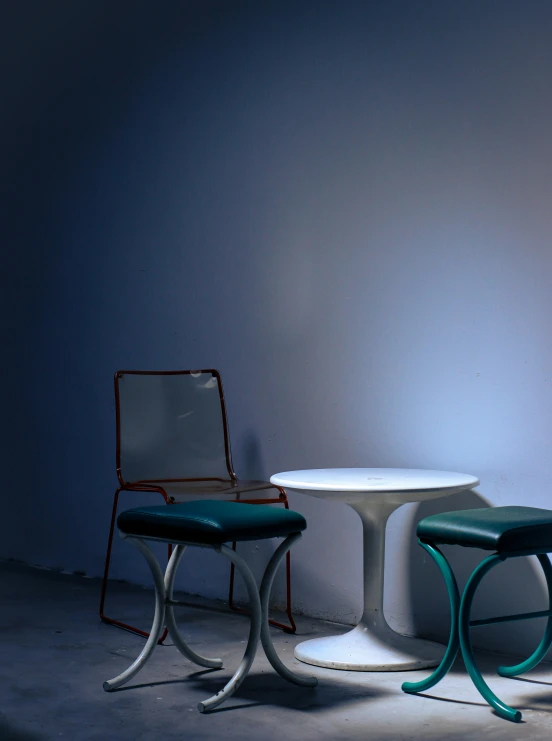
(55, 654)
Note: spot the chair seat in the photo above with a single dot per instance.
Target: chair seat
(210, 522)
(501, 529)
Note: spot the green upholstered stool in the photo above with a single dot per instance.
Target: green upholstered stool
(211, 524)
(509, 532)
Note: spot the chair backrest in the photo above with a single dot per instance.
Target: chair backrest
(171, 425)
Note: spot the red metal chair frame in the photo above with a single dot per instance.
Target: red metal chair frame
(236, 487)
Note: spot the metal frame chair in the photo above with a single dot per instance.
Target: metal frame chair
(224, 483)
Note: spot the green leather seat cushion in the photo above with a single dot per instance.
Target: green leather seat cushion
(210, 522)
(503, 529)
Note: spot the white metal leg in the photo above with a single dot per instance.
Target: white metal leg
(174, 633)
(254, 633)
(266, 640)
(158, 618)
(258, 621)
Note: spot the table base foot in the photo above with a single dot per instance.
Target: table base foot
(370, 649)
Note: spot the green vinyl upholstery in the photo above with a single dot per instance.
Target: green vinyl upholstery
(210, 522)
(500, 529)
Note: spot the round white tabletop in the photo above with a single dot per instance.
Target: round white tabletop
(374, 493)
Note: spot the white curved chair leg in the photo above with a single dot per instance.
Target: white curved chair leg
(254, 633)
(174, 633)
(266, 640)
(158, 618)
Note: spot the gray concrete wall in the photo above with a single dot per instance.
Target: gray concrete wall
(345, 207)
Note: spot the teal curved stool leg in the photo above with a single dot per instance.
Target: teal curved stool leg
(505, 711)
(546, 642)
(453, 644)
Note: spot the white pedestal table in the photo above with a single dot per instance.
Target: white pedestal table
(374, 493)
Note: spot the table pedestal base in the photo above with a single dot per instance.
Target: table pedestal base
(374, 493)
(370, 648)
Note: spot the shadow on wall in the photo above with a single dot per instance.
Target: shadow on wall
(515, 586)
(253, 464)
(249, 464)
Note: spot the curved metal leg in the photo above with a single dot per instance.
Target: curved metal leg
(266, 640)
(158, 618)
(103, 616)
(254, 633)
(174, 633)
(258, 628)
(291, 628)
(453, 644)
(505, 711)
(546, 642)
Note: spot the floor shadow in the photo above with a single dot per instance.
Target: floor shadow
(163, 682)
(536, 702)
(261, 689)
(10, 733)
(452, 700)
(531, 681)
(268, 689)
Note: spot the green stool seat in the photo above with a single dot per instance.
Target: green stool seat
(509, 532)
(210, 522)
(500, 529)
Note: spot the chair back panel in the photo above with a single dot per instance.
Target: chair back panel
(171, 426)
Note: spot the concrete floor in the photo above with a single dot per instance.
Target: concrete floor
(56, 654)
